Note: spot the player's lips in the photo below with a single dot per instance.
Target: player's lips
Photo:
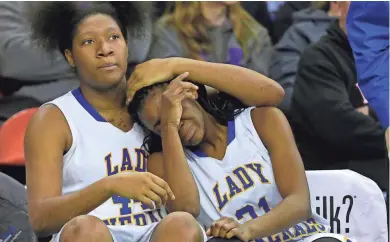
(108, 66)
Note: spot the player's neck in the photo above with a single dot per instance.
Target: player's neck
(215, 140)
(106, 100)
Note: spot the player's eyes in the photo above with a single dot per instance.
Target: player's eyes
(115, 36)
(87, 42)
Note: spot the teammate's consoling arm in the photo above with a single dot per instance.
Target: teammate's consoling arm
(250, 87)
(275, 132)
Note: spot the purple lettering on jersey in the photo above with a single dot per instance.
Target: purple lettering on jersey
(222, 201)
(126, 161)
(125, 220)
(141, 160)
(233, 188)
(244, 177)
(258, 168)
(110, 170)
(140, 219)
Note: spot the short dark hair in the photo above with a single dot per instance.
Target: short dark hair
(54, 23)
(224, 108)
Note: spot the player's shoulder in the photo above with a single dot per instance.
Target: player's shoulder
(52, 113)
(255, 115)
(48, 113)
(264, 113)
(49, 118)
(267, 119)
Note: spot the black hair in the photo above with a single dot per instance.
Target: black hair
(224, 109)
(54, 23)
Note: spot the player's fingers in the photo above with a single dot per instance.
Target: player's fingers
(131, 88)
(188, 85)
(163, 185)
(178, 91)
(179, 83)
(233, 232)
(145, 200)
(226, 228)
(180, 78)
(154, 197)
(216, 227)
(161, 192)
(188, 94)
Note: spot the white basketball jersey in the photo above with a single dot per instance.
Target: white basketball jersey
(98, 150)
(242, 185)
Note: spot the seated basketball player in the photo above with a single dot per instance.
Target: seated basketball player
(240, 173)
(85, 166)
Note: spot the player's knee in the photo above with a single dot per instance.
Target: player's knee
(85, 228)
(185, 226)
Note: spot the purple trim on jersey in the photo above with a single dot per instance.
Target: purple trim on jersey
(85, 104)
(231, 136)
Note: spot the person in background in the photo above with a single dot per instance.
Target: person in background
(260, 11)
(333, 125)
(368, 34)
(36, 72)
(27, 70)
(220, 32)
(283, 17)
(309, 26)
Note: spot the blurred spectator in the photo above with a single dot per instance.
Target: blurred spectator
(260, 11)
(309, 26)
(22, 62)
(283, 17)
(213, 31)
(333, 125)
(29, 71)
(368, 34)
(160, 7)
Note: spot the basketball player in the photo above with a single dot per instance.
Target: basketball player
(248, 178)
(86, 171)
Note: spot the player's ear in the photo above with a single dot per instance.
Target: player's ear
(69, 57)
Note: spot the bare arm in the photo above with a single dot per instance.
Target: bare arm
(273, 128)
(48, 137)
(172, 166)
(250, 87)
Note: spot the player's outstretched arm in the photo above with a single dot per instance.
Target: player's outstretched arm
(250, 87)
(47, 138)
(274, 130)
